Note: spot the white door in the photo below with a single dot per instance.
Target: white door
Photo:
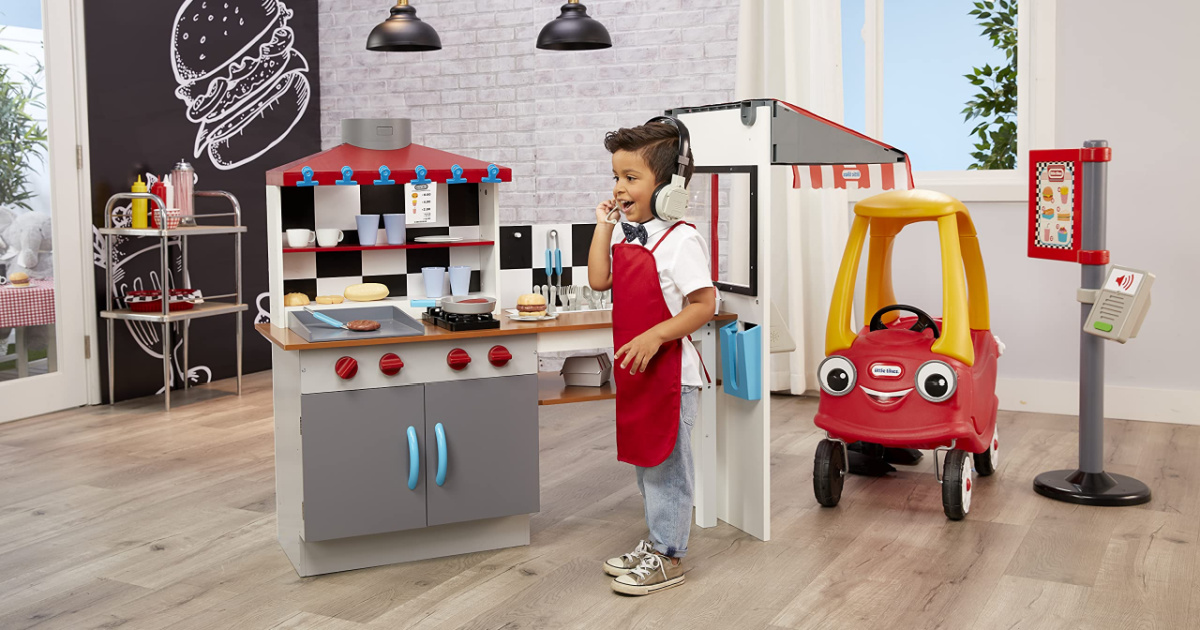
(42, 325)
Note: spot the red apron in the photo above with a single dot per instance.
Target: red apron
(647, 402)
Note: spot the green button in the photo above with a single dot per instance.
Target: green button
(1104, 326)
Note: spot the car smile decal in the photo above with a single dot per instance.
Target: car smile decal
(886, 398)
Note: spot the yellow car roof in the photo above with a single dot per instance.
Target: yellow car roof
(909, 204)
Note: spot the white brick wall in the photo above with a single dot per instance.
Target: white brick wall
(490, 94)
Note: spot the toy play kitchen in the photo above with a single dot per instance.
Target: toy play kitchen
(423, 441)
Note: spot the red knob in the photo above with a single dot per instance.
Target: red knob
(499, 356)
(346, 367)
(390, 364)
(458, 359)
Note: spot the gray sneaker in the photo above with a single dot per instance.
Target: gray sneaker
(626, 562)
(654, 573)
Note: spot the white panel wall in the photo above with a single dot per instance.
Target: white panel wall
(1125, 74)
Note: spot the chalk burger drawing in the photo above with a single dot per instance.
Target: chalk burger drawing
(239, 75)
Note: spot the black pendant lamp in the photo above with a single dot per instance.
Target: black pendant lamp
(573, 30)
(403, 31)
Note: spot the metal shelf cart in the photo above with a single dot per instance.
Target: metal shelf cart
(212, 305)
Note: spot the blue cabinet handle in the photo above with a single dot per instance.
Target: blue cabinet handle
(414, 459)
(441, 444)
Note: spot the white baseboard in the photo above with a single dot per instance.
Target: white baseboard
(1178, 406)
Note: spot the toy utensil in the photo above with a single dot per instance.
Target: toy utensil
(553, 260)
(551, 304)
(327, 319)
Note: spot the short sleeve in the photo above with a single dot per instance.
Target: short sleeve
(690, 271)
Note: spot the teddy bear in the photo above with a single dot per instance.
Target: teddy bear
(26, 241)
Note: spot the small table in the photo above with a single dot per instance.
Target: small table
(21, 307)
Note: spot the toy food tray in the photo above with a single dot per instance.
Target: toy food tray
(393, 322)
(151, 301)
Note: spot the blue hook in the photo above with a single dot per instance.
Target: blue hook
(384, 174)
(307, 172)
(458, 178)
(347, 177)
(493, 173)
(421, 173)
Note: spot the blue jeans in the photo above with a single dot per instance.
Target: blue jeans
(668, 489)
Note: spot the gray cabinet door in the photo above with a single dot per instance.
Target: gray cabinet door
(356, 458)
(491, 441)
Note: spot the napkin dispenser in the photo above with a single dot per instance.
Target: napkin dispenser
(591, 370)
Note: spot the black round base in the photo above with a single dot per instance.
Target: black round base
(1076, 486)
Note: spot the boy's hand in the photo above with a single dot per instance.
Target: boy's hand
(639, 351)
(604, 210)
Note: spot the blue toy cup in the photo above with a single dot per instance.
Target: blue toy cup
(460, 280)
(435, 280)
(394, 226)
(368, 228)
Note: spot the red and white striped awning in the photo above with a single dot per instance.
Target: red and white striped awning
(893, 176)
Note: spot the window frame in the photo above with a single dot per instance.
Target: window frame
(1035, 105)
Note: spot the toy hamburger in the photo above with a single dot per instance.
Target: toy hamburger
(238, 75)
(19, 279)
(531, 305)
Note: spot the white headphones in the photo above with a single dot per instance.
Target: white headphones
(669, 201)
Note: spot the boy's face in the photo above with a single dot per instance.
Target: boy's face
(633, 185)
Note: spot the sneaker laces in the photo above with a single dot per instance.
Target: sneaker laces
(651, 562)
(642, 549)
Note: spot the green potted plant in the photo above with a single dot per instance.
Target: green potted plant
(22, 138)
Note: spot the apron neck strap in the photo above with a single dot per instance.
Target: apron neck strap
(668, 233)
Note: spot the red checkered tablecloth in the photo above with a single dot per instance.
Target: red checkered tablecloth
(29, 306)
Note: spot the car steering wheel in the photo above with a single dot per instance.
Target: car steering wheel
(923, 319)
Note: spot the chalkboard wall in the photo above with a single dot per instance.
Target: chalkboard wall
(231, 86)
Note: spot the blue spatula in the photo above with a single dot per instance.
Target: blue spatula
(327, 319)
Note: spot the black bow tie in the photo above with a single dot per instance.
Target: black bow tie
(635, 230)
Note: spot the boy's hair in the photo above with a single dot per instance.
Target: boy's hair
(657, 143)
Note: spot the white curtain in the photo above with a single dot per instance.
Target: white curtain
(792, 50)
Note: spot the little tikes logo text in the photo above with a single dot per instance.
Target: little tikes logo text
(886, 370)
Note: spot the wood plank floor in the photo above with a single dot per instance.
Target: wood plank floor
(133, 518)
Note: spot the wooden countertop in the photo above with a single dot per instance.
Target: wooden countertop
(565, 322)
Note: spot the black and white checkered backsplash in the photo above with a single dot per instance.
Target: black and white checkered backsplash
(522, 247)
(523, 256)
(329, 273)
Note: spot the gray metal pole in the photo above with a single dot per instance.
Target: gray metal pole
(166, 323)
(1091, 347)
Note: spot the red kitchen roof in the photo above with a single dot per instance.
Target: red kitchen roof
(327, 166)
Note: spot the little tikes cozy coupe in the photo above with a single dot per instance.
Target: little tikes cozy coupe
(911, 382)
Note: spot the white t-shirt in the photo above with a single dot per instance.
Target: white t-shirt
(682, 262)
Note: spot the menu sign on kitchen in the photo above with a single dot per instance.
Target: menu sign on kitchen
(421, 202)
(1054, 204)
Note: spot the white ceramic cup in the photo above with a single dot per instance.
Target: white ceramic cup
(300, 237)
(329, 238)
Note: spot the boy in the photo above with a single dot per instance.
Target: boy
(652, 265)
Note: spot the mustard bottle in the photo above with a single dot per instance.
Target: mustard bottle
(139, 206)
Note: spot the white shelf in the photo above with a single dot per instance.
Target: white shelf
(207, 309)
(198, 230)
